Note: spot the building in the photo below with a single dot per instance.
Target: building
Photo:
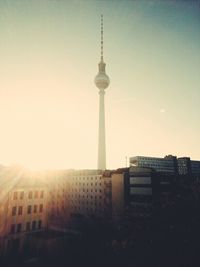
(23, 202)
(184, 166)
(132, 192)
(23, 207)
(102, 81)
(78, 195)
(195, 168)
(72, 199)
(167, 164)
(58, 201)
(138, 192)
(86, 189)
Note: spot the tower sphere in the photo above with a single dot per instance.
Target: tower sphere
(102, 80)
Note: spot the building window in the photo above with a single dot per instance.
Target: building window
(36, 194)
(29, 209)
(12, 228)
(28, 226)
(41, 194)
(14, 211)
(15, 195)
(39, 224)
(21, 195)
(30, 194)
(19, 227)
(33, 225)
(35, 209)
(20, 210)
(41, 208)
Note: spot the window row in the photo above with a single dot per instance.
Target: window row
(30, 209)
(35, 194)
(84, 196)
(31, 194)
(30, 226)
(88, 209)
(86, 203)
(85, 190)
(83, 178)
(84, 184)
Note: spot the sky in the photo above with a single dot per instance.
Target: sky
(49, 55)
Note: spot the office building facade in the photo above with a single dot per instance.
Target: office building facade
(166, 164)
(134, 192)
(169, 165)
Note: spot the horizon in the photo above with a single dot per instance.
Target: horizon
(49, 103)
(18, 165)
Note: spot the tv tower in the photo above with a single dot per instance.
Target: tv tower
(102, 81)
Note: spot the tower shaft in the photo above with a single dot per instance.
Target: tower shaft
(102, 140)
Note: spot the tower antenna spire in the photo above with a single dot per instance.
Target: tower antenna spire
(101, 37)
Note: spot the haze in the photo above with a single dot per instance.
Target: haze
(49, 52)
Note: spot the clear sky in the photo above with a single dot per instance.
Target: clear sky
(49, 51)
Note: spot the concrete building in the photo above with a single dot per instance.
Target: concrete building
(23, 207)
(81, 194)
(64, 199)
(58, 202)
(23, 202)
